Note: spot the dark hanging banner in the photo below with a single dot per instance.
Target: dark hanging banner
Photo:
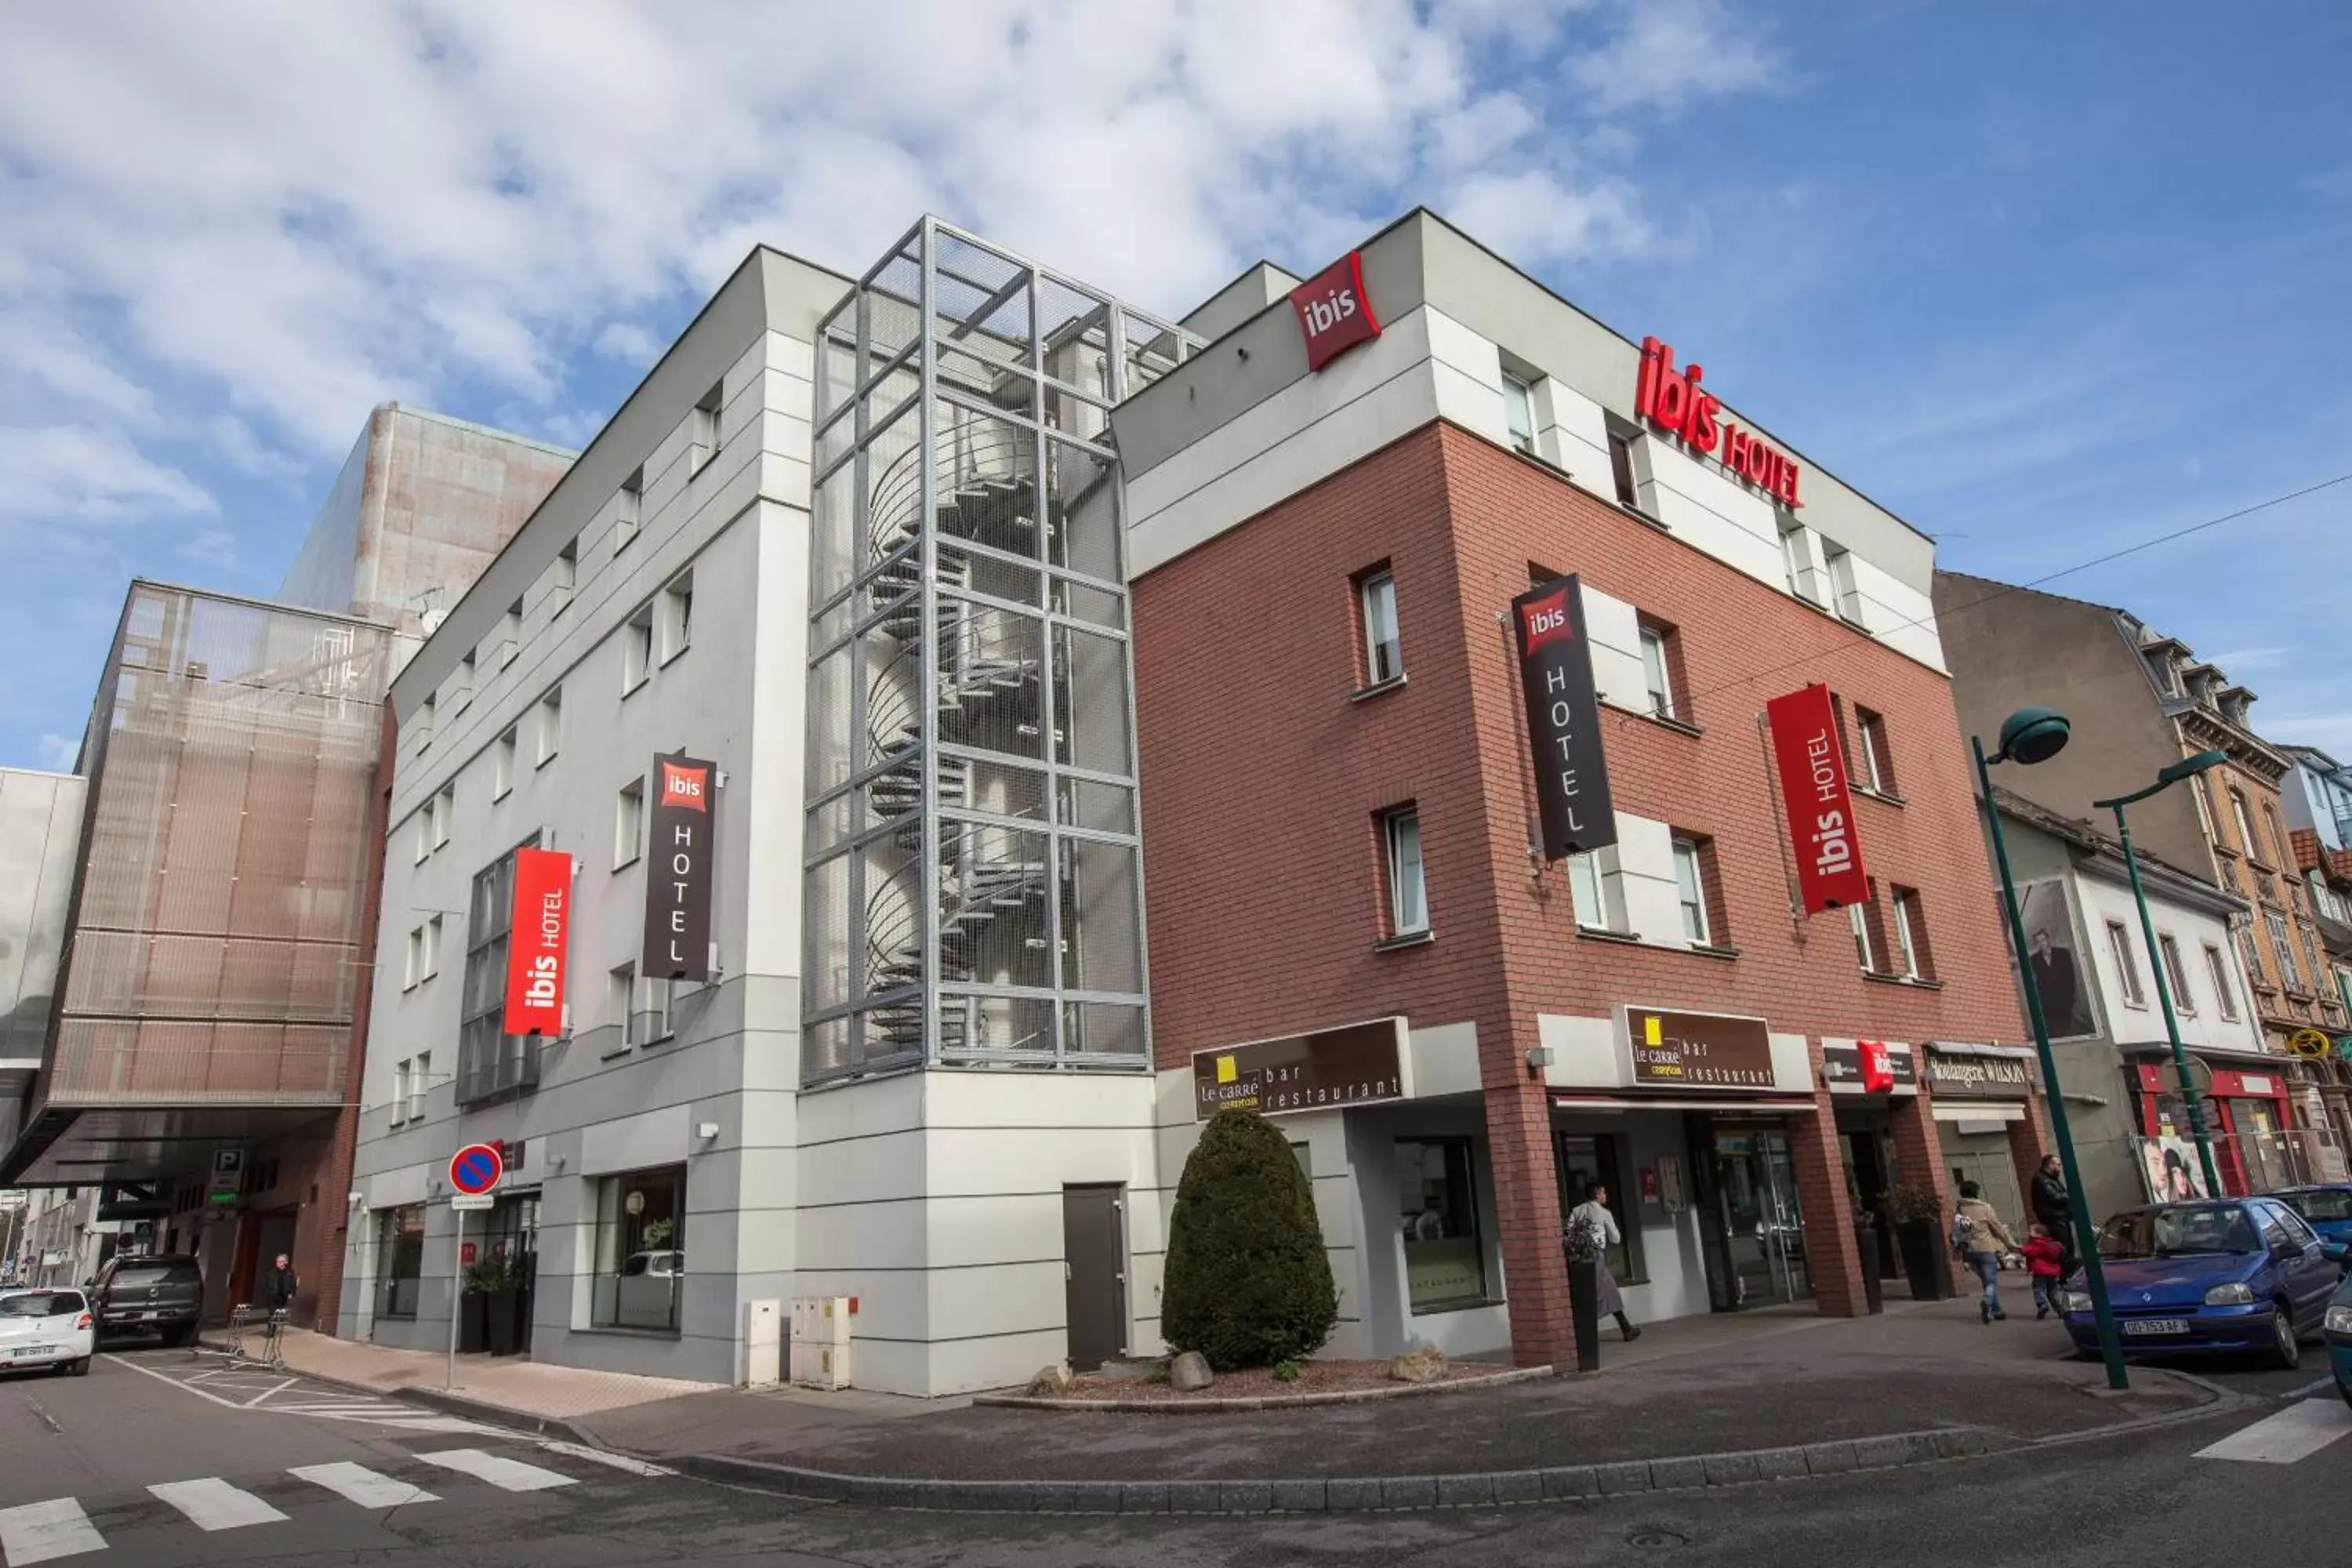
(678, 872)
(1564, 719)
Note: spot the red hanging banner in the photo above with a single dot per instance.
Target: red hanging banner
(1811, 758)
(1877, 1066)
(537, 942)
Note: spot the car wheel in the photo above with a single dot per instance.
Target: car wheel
(178, 1335)
(80, 1367)
(2286, 1351)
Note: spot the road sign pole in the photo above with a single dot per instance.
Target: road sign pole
(457, 1263)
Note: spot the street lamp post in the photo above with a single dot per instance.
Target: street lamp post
(2165, 779)
(2028, 736)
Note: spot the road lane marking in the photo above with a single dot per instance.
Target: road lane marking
(2295, 1433)
(362, 1485)
(598, 1455)
(278, 1388)
(511, 1475)
(407, 1417)
(41, 1530)
(213, 1504)
(2314, 1386)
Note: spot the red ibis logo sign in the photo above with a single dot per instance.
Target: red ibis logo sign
(1334, 313)
(683, 786)
(1810, 756)
(541, 933)
(1678, 401)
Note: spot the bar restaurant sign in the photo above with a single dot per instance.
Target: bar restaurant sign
(1698, 1050)
(1354, 1064)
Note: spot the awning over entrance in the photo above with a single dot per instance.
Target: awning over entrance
(1760, 1105)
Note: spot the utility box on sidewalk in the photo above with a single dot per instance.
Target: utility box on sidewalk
(821, 1336)
(763, 1344)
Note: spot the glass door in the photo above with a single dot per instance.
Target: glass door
(1762, 1226)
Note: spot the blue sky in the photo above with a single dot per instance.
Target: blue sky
(2046, 280)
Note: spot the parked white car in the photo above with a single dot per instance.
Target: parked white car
(47, 1328)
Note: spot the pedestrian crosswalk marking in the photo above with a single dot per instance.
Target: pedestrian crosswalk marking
(358, 1484)
(214, 1504)
(2292, 1434)
(511, 1475)
(40, 1531)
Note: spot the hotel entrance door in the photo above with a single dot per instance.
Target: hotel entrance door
(1756, 1252)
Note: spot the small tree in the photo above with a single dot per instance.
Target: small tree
(1247, 1281)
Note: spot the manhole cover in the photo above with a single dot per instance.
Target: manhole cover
(1656, 1538)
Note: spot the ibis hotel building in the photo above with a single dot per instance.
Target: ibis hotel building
(1529, 774)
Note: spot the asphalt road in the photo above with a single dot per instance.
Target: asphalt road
(358, 1479)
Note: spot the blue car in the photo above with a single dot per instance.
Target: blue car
(2328, 1207)
(2339, 1338)
(2239, 1276)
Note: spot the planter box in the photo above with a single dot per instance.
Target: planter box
(473, 1323)
(501, 1315)
(1584, 1303)
(1925, 1259)
(1873, 1285)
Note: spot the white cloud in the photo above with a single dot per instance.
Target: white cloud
(57, 752)
(75, 473)
(1671, 52)
(629, 343)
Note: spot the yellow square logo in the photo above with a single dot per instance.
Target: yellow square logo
(1651, 1034)
(1226, 1073)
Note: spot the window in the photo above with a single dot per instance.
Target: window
(1690, 886)
(1408, 901)
(1658, 674)
(1597, 892)
(399, 1261)
(1585, 1162)
(1911, 935)
(510, 635)
(2175, 975)
(1865, 950)
(640, 1250)
(1877, 768)
(403, 1072)
(629, 822)
(636, 650)
(418, 1084)
(2119, 946)
(490, 1059)
(1621, 470)
(2253, 953)
(1520, 413)
(1444, 1252)
(676, 617)
(415, 970)
(1800, 554)
(2288, 973)
(1383, 654)
(1846, 593)
(444, 807)
(551, 725)
(432, 948)
(424, 831)
(502, 766)
(705, 436)
(2276, 847)
(620, 990)
(2225, 995)
(461, 685)
(649, 1020)
(2245, 825)
(422, 725)
(628, 511)
(563, 576)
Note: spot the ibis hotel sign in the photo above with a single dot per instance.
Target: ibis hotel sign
(1810, 753)
(1335, 314)
(1564, 719)
(539, 937)
(678, 872)
(1354, 1064)
(1675, 401)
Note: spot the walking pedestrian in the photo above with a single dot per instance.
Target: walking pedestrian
(2045, 1261)
(1983, 1239)
(1594, 1211)
(2053, 1209)
(277, 1285)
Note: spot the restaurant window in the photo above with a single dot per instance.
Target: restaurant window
(1444, 1252)
(2225, 995)
(640, 1250)
(2126, 966)
(2176, 974)
(1408, 899)
(1376, 607)
(1586, 1162)
(400, 1260)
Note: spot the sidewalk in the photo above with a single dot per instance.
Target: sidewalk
(506, 1383)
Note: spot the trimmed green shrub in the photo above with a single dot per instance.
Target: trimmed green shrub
(1247, 1283)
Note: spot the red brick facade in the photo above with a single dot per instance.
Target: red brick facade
(1262, 778)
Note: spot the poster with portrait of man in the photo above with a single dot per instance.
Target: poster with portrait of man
(2054, 965)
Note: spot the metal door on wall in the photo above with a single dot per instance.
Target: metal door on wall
(1093, 1271)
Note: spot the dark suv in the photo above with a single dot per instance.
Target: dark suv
(163, 1293)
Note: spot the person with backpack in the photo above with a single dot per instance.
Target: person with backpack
(1979, 1238)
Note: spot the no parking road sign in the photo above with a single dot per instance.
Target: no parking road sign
(474, 1172)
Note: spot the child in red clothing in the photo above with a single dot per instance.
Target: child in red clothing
(2044, 1257)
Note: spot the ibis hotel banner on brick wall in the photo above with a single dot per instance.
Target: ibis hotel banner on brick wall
(537, 942)
(678, 871)
(1810, 755)
(1564, 719)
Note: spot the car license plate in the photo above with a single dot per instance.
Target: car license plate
(2156, 1325)
(32, 1349)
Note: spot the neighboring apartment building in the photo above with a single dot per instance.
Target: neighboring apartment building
(2317, 800)
(1343, 812)
(194, 1069)
(2140, 702)
(41, 828)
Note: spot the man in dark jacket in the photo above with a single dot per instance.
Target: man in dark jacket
(2055, 1209)
(277, 1285)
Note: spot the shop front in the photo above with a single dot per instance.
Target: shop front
(2256, 1146)
(1866, 1079)
(1982, 1095)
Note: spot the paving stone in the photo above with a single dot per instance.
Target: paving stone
(1143, 1497)
(1667, 1475)
(1570, 1480)
(1245, 1497)
(1828, 1458)
(1520, 1486)
(1464, 1491)
(1781, 1464)
(897, 1494)
(1730, 1470)
(1880, 1453)
(1410, 1491)
(1299, 1497)
(1193, 1496)
(1351, 1496)
(1627, 1477)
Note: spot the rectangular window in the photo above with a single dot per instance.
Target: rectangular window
(502, 766)
(1599, 1161)
(1657, 670)
(401, 1072)
(2245, 825)
(1877, 769)
(490, 1059)
(415, 970)
(2128, 966)
(640, 1250)
(562, 577)
(1407, 900)
(423, 723)
(705, 437)
(509, 640)
(1911, 935)
(2225, 995)
(2288, 973)
(461, 685)
(2276, 847)
(551, 725)
(1690, 887)
(1845, 590)
(1520, 413)
(1621, 470)
(1800, 554)
(1383, 653)
(418, 1084)
(620, 990)
(636, 650)
(2252, 952)
(424, 831)
(399, 1261)
(629, 822)
(649, 1019)
(1858, 916)
(432, 947)
(1444, 1250)
(676, 617)
(444, 809)
(2176, 974)
(628, 511)
(1598, 894)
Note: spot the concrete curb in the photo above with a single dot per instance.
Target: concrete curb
(1355, 1495)
(1268, 1402)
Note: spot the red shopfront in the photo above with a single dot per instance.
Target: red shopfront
(2247, 1114)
